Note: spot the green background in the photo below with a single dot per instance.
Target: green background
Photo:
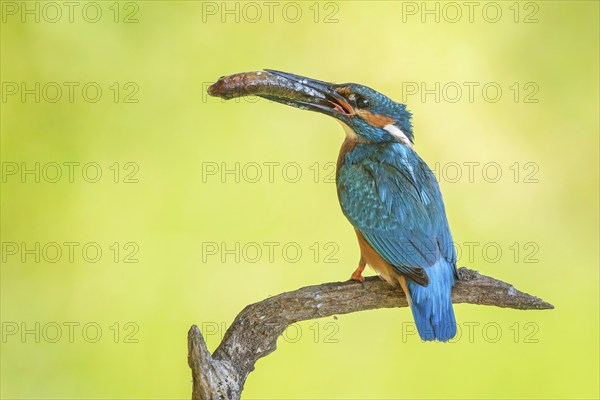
(173, 133)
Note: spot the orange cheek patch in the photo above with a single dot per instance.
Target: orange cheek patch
(375, 119)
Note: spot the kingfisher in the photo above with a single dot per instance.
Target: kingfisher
(385, 190)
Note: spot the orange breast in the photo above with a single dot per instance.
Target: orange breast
(380, 266)
(374, 260)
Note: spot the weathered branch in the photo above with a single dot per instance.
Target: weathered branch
(255, 330)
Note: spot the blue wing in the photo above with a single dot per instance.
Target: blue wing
(391, 196)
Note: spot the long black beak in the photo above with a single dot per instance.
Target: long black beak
(282, 87)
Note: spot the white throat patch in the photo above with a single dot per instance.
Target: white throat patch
(348, 131)
(398, 134)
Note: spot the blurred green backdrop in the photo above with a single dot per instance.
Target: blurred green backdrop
(118, 88)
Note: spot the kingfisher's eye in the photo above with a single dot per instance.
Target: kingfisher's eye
(361, 102)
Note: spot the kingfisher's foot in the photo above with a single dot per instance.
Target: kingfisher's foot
(357, 275)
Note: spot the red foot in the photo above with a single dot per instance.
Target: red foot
(357, 275)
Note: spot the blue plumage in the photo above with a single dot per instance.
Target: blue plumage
(432, 305)
(391, 196)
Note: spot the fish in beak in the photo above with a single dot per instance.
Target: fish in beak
(282, 87)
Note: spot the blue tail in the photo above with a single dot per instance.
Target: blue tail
(432, 304)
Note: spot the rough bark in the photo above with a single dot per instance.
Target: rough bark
(254, 332)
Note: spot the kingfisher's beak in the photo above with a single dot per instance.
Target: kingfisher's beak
(308, 94)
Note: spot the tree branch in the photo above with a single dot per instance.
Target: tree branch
(255, 330)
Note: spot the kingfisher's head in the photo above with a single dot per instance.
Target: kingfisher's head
(366, 114)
